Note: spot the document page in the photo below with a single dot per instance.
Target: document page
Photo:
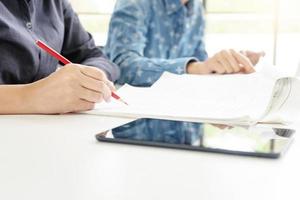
(207, 98)
(223, 96)
(285, 108)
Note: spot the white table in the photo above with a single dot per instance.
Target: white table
(58, 158)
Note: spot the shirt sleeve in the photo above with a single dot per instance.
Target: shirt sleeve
(126, 43)
(79, 46)
(200, 51)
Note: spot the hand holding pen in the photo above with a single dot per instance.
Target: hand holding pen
(73, 88)
(94, 79)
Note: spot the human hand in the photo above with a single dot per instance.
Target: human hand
(73, 88)
(224, 62)
(254, 57)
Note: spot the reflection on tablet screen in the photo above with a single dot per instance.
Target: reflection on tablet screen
(255, 141)
(250, 139)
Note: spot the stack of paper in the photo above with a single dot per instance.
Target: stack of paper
(231, 99)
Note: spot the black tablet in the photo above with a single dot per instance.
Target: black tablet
(256, 141)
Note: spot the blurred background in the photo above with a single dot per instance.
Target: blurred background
(269, 25)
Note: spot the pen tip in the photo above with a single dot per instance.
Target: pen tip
(124, 102)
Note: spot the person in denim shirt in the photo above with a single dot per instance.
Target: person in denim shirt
(147, 38)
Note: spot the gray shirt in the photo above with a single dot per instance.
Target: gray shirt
(22, 22)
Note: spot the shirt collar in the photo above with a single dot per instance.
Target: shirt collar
(172, 6)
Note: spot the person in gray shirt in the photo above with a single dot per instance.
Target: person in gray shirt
(30, 81)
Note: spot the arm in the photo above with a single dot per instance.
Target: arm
(79, 45)
(73, 88)
(12, 99)
(223, 62)
(200, 51)
(126, 43)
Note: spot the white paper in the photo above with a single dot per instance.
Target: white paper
(287, 104)
(235, 98)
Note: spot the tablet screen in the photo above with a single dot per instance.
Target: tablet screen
(241, 140)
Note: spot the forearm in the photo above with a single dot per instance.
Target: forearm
(73, 88)
(224, 62)
(14, 99)
(143, 71)
(197, 68)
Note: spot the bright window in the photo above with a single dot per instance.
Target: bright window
(95, 16)
(269, 25)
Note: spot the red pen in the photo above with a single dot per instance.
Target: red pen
(65, 61)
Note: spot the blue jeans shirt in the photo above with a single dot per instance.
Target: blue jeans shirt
(160, 131)
(148, 37)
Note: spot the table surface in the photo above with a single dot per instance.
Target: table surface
(57, 157)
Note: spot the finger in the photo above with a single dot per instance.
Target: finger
(224, 63)
(93, 84)
(93, 72)
(218, 68)
(106, 91)
(262, 54)
(244, 61)
(253, 56)
(93, 96)
(111, 85)
(233, 63)
(243, 52)
(97, 74)
(250, 53)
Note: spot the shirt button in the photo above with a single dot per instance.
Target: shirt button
(29, 25)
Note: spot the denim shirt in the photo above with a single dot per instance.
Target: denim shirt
(148, 37)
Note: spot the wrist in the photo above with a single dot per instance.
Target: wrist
(197, 68)
(14, 99)
(191, 67)
(29, 97)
